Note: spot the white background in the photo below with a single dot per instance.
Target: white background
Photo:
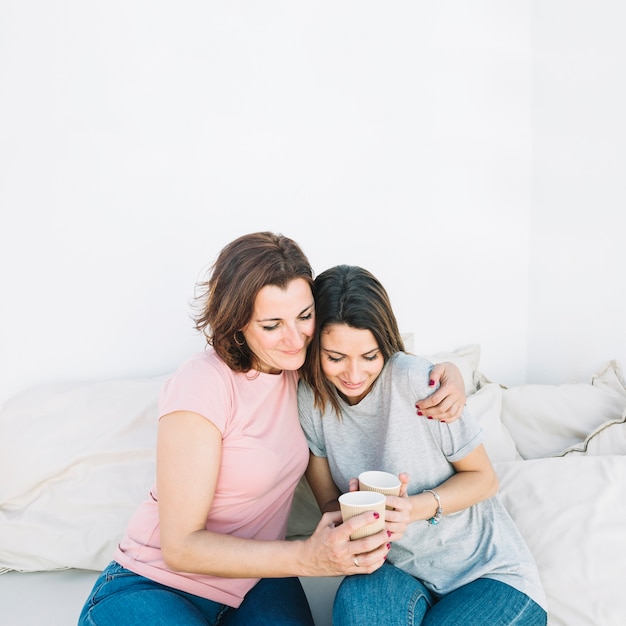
(470, 153)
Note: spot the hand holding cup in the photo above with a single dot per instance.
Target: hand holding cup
(356, 502)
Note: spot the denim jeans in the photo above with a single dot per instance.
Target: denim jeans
(392, 597)
(122, 598)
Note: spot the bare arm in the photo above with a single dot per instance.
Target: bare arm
(188, 462)
(322, 484)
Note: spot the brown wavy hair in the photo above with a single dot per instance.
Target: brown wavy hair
(224, 300)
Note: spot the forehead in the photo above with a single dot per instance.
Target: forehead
(347, 340)
(274, 302)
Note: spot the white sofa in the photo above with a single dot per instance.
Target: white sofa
(77, 458)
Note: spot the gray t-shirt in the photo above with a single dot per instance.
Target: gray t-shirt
(383, 432)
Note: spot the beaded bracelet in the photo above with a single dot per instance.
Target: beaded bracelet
(436, 518)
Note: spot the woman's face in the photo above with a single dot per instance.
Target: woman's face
(281, 326)
(351, 360)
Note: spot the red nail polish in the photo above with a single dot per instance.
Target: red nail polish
(431, 382)
(429, 417)
(388, 533)
(417, 406)
(376, 514)
(388, 546)
(420, 413)
(443, 421)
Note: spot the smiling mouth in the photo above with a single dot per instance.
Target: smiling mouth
(348, 385)
(292, 352)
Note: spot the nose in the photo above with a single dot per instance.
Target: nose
(293, 337)
(353, 371)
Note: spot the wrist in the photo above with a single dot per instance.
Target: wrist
(436, 518)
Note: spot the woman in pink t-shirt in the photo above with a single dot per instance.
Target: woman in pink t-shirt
(208, 544)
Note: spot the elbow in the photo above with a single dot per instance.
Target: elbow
(493, 485)
(174, 556)
(172, 560)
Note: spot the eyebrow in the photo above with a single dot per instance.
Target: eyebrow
(342, 354)
(277, 319)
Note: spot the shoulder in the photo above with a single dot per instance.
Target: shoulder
(411, 365)
(305, 392)
(205, 363)
(306, 401)
(196, 372)
(409, 374)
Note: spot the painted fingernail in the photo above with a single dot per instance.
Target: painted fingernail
(388, 533)
(417, 406)
(376, 514)
(429, 417)
(443, 421)
(431, 382)
(388, 546)
(420, 413)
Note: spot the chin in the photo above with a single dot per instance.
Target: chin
(294, 363)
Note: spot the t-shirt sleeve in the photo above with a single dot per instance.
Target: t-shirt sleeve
(201, 387)
(310, 420)
(460, 437)
(456, 439)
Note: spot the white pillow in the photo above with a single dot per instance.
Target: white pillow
(485, 405)
(572, 514)
(466, 359)
(611, 378)
(546, 419)
(608, 438)
(80, 458)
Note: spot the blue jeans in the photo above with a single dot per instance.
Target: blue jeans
(391, 596)
(122, 598)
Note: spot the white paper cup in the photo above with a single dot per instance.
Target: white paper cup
(357, 502)
(382, 482)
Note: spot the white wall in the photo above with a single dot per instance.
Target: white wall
(578, 271)
(137, 138)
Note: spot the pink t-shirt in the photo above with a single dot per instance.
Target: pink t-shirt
(264, 454)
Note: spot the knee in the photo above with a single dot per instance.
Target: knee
(385, 596)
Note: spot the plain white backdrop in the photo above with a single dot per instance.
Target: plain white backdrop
(470, 154)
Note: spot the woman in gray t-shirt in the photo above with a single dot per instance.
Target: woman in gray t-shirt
(456, 555)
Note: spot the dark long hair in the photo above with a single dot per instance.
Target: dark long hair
(347, 294)
(225, 299)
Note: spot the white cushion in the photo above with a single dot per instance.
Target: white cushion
(485, 405)
(546, 419)
(608, 438)
(572, 514)
(77, 460)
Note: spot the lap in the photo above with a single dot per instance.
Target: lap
(485, 602)
(123, 598)
(392, 596)
(386, 596)
(272, 602)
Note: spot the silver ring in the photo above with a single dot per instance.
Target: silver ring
(356, 561)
